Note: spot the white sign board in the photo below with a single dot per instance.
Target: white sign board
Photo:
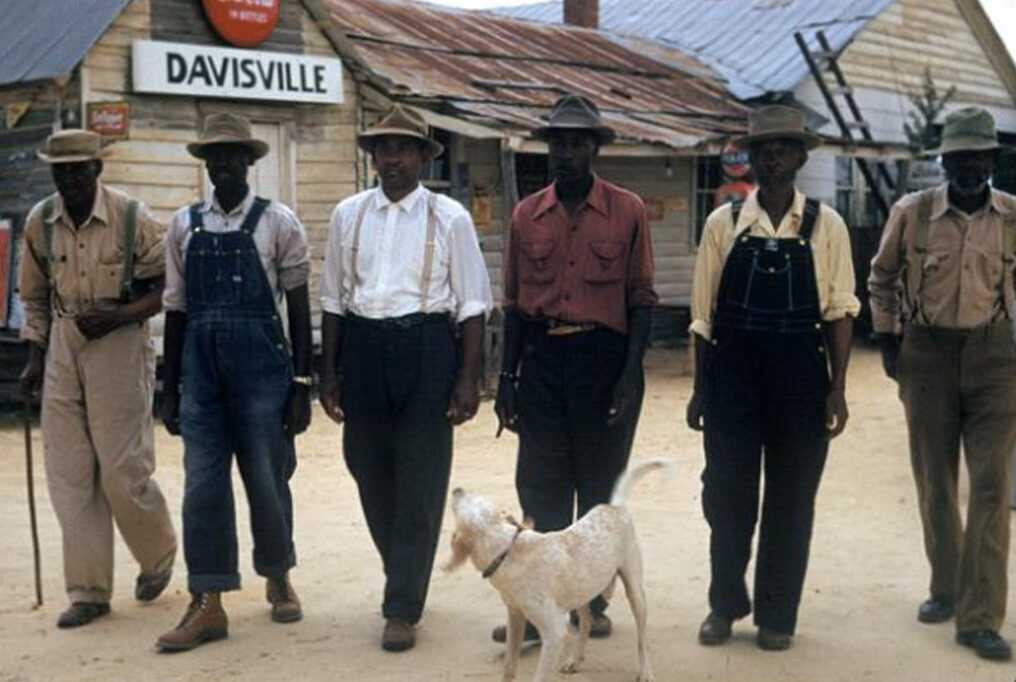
(205, 71)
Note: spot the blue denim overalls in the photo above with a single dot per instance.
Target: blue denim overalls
(766, 383)
(237, 375)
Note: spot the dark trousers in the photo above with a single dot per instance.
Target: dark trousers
(396, 385)
(765, 411)
(236, 380)
(568, 456)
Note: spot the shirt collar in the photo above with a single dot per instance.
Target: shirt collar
(212, 204)
(406, 203)
(596, 199)
(940, 202)
(98, 208)
(752, 212)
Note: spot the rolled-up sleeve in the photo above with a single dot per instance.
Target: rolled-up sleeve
(174, 295)
(641, 271)
(841, 297)
(33, 282)
(149, 247)
(708, 268)
(470, 282)
(332, 294)
(291, 251)
(884, 286)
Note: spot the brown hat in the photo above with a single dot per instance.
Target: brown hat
(69, 146)
(777, 122)
(573, 112)
(402, 122)
(227, 129)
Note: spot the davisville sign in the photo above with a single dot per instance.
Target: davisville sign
(202, 71)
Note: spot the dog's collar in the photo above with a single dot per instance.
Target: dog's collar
(499, 559)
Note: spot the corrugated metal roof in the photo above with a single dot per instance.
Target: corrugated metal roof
(749, 42)
(42, 39)
(506, 73)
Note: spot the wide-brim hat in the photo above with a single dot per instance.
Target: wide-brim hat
(968, 129)
(402, 122)
(227, 129)
(72, 146)
(778, 122)
(574, 112)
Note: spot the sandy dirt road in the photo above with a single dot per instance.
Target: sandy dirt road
(857, 622)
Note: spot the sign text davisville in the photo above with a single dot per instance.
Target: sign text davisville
(203, 71)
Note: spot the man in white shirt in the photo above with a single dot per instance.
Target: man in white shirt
(403, 269)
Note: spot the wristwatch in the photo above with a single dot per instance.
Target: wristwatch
(306, 380)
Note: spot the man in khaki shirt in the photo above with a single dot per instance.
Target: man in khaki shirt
(942, 305)
(86, 307)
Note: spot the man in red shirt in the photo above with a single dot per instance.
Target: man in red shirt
(578, 295)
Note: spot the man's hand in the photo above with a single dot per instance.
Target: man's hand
(625, 391)
(836, 413)
(889, 344)
(330, 399)
(30, 381)
(504, 405)
(297, 416)
(695, 412)
(465, 400)
(98, 323)
(169, 410)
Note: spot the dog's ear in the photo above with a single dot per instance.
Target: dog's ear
(461, 549)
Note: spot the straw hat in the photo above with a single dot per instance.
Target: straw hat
(70, 146)
(402, 122)
(573, 112)
(227, 129)
(968, 129)
(777, 122)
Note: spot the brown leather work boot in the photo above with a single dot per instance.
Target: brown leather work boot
(205, 621)
(285, 604)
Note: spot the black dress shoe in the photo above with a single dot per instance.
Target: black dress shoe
(715, 630)
(987, 643)
(500, 634)
(600, 628)
(149, 587)
(770, 640)
(935, 610)
(81, 613)
(399, 635)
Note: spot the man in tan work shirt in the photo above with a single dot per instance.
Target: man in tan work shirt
(88, 286)
(943, 278)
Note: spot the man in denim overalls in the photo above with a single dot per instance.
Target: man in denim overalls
(230, 258)
(772, 309)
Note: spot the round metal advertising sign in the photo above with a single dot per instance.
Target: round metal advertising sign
(244, 23)
(735, 161)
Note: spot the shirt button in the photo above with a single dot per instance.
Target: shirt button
(82, 245)
(574, 228)
(84, 274)
(567, 297)
(571, 263)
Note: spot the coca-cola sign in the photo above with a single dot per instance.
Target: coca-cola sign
(244, 23)
(109, 119)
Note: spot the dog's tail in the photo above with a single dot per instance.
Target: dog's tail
(632, 475)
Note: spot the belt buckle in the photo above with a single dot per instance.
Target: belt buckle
(564, 329)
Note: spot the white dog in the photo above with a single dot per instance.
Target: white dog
(544, 576)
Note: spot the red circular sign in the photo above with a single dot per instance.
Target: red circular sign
(244, 23)
(735, 161)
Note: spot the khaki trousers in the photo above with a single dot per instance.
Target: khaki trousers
(98, 439)
(960, 386)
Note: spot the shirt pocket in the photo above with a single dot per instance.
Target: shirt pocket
(535, 266)
(605, 261)
(106, 280)
(111, 248)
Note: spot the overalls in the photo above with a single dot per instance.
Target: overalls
(766, 383)
(237, 376)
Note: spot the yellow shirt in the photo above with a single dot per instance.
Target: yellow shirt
(965, 282)
(830, 247)
(88, 260)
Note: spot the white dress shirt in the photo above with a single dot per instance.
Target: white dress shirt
(391, 253)
(280, 240)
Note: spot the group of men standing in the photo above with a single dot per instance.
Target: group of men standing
(404, 294)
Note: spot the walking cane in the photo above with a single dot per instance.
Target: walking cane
(27, 421)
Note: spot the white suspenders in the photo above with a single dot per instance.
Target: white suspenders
(428, 249)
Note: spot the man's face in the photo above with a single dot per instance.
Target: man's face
(776, 162)
(227, 165)
(969, 171)
(77, 182)
(571, 154)
(399, 160)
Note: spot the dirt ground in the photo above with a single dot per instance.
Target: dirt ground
(866, 577)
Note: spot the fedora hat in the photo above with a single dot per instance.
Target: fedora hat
(967, 129)
(70, 146)
(573, 112)
(402, 122)
(778, 122)
(226, 129)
